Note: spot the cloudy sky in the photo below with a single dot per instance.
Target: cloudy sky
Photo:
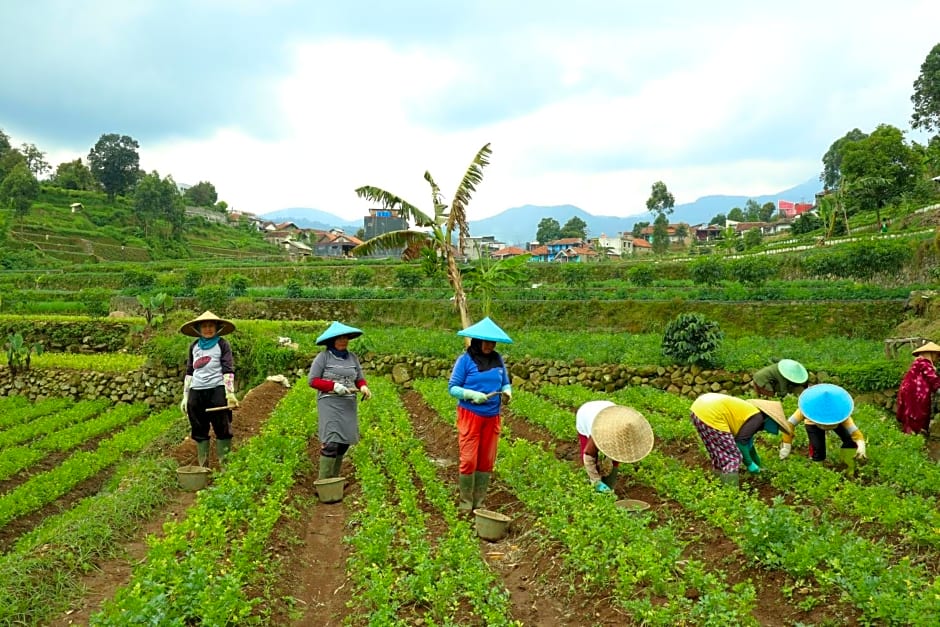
(292, 103)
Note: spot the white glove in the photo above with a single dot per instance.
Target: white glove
(860, 453)
(339, 388)
(366, 392)
(785, 450)
(183, 404)
(231, 399)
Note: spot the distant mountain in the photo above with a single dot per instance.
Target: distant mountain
(307, 218)
(519, 224)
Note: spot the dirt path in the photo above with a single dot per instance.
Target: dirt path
(111, 574)
(530, 567)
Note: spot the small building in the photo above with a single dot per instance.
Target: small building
(77, 207)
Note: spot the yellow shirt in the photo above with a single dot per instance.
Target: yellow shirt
(798, 417)
(723, 412)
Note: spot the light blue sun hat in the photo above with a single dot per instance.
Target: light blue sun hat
(487, 330)
(337, 329)
(826, 404)
(793, 371)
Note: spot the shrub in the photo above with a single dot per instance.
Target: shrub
(361, 277)
(408, 276)
(294, 288)
(753, 271)
(574, 274)
(96, 301)
(642, 275)
(319, 278)
(191, 281)
(238, 285)
(692, 339)
(213, 298)
(707, 271)
(137, 281)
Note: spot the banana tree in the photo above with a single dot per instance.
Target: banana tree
(488, 275)
(442, 225)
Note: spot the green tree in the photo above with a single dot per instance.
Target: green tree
(575, 227)
(719, 219)
(885, 158)
(806, 223)
(5, 145)
(832, 160)
(737, 215)
(729, 239)
(753, 238)
(158, 199)
(682, 231)
(444, 224)
(661, 200)
(9, 160)
(926, 96)
(35, 159)
(660, 234)
(548, 231)
(202, 194)
(752, 210)
(637, 231)
(19, 189)
(488, 275)
(74, 175)
(767, 211)
(115, 163)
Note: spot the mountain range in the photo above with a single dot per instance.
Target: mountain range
(518, 225)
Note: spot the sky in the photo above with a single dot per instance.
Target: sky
(292, 103)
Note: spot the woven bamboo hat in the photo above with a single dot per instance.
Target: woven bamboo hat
(774, 409)
(191, 328)
(622, 434)
(929, 347)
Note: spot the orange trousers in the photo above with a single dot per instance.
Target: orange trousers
(477, 437)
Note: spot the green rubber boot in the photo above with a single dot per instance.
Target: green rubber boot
(326, 467)
(481, 483)
(466, 492)
(202, 452)
(337, 465)
(848, 458)
(222, 449)
(611, 478)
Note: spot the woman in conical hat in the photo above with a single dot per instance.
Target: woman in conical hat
(786, 376)
(620, 433)
(209, 383)
(336, 375)
(480, 383)
(917, 388)
(727, 426)
(826, 407)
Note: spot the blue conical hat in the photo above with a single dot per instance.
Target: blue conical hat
(337, 329)
(792, 371)
(486, 329)
(826, 404)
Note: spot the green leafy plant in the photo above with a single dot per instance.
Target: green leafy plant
(485, 278)
(642, 275)
(692, 339)
(151, 304)
(361, 277)
(707, 271)
(97, 301)
(294, 288)
(19, 352)
(238, 285)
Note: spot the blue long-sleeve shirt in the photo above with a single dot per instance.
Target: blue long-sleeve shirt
(467, 376)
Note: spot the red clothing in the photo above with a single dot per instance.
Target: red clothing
(914, 396)
(477, 437)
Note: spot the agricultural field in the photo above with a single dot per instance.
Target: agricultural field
(95, 530)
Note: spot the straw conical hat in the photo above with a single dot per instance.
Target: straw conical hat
(622, 434)
(487, 330)
(337, 329)
(929, 347)
(774, 409)
(826, 404)
(191, 328)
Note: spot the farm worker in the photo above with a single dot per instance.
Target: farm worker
(787, 376)
(480, 384)
(619, 433)
(209, 382)
(336, 375)
(727, 426)
(917, 388)
(827, 407)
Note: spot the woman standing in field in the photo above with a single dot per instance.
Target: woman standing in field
(787, 376)
(336, 375)
(480, 383)
(209, 383)
(917, 388)
(827, 407)
(727, 426)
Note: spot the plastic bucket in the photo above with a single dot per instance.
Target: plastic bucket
(193, 478)
(633, 505)
(330, 490)
(490, 525)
